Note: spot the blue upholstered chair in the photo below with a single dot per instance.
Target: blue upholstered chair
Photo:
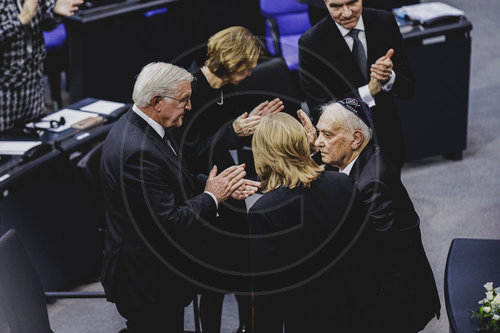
(469, 265)
(286, 21)
(56, 60)
(23, 303)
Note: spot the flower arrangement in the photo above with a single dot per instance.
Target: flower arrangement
(488, 314)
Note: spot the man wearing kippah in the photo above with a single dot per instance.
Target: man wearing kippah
(402, 295)
(358, 52)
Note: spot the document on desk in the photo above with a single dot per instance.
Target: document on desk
(425, 13)
(17, 147)
(70, 117)
(102, 107)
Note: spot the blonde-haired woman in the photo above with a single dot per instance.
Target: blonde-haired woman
(215, 124)
(304, 223)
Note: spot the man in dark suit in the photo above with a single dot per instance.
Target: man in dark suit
(406, 297)
(317, 9)
(154, 207)
(356, 52)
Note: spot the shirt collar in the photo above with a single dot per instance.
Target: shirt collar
(348, 168)
(360, 26)
(157, 127)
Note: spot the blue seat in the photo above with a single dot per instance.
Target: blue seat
(470, 264)
(55, 39)
(286, 21)
(56, 61)
(23, 307)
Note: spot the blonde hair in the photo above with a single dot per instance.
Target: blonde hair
(232, 50)
(281, 153)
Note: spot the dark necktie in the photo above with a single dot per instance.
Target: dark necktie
(358, 52)
(183, 172)
(168, 140)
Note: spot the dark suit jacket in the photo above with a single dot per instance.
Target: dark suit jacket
(206, 136)
(402, 269)
(154, 208)
(304, 273)
(327, 70)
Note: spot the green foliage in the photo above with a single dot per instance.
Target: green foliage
(488, 315)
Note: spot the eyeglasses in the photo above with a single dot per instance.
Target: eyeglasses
(184, 101)
(54, 123)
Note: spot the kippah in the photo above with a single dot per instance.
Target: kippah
(359, 108)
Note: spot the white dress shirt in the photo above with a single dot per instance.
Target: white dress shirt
(364, 91)
(348, 168)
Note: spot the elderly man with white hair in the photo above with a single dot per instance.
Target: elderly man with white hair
(155, 208)
(405, 297)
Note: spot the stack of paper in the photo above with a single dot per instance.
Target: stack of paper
(102, 107)
(427, 12)
(17, 147)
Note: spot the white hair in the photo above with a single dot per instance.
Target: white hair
(158, 78)
(340, 114)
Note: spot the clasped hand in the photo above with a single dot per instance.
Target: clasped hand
(380, 72)
(230, 182)
(246, 124)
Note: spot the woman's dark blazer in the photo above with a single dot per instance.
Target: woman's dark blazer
(302, 265)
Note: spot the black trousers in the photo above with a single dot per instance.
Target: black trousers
(160, 317)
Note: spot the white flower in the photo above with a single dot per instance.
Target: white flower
(495, 317)
(482, 301)
(497, 299)
(488, 286)
(489, 295)
(486, 309)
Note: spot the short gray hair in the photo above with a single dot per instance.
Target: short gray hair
(338, 113)
(158, 78)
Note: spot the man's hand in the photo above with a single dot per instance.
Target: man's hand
(248, 188)
(374, 85)
(382, 68)
(245, 125)
(265, 108)
(228, 181)
(309, 128)
(28, 11)
(67, 7)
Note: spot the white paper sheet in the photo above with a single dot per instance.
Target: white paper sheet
(423, 12)
(102, 107)
(71, 117)
(17, 147)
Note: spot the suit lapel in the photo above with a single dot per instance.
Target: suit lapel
(371, 36)
(341, 56)
(361, 161)
(181, 169)
(181, 162)
(178, 167)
